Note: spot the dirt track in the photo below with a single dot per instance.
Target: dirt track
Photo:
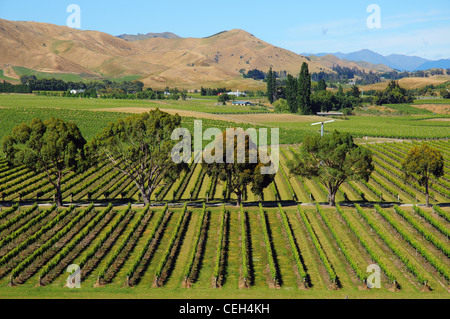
(238, 118)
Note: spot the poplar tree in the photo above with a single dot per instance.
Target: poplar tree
(304, 90)
(271, 86)
(291, 93)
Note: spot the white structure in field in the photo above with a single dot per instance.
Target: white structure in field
(76, 91)
(237, 93)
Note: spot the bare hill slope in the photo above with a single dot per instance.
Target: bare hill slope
(182, 62)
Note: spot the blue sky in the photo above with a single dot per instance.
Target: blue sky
(407, 27)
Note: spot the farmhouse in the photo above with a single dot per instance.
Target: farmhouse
(243, 103)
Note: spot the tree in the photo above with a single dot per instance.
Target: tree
(445, 93)
(332, 159)
(140, 146)
(354, 91)
(393, 94)
(238, 175)
(421, 163)
(54, 147)
(223, 98)
(304, 90)
(340, 92)
(271, 85)
(291, 93)
(322, 85)
(281, 106)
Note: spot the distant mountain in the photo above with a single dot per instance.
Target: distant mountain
(441, 64)
(405, 62)
(134, 37)
(396, 61)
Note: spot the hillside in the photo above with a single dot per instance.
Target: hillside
(158, 61)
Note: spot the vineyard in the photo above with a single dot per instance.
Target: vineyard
(104, 184)
(285, 248)
(195, 240)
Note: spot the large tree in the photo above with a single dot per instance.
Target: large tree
(421, 163)
(140, 147)
(241, 173)
(304, 90)
(332, 159)
(53, 146)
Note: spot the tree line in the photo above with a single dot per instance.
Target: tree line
(53, 84)
(6, 87)
(300, 95)
(141, 148)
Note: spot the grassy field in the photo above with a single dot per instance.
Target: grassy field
(71, 76)
(329, 249)
(16, 109)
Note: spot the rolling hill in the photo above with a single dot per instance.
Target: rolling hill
(158, 60)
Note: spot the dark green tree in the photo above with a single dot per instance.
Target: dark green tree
(354, 91)
(291, 93)
(321, 85)
(445, 93)
(421, 163)
(332, 159)
(223, 98)
(271, 85)
(53, 146)
(304, 90)
(140, 147)
(240, 173)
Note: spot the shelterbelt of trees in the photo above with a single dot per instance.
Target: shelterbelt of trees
(140, 148)
(301, 95)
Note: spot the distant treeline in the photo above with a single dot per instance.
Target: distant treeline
(6, 87)
(60, 85)
(212, 92)
(343, 75)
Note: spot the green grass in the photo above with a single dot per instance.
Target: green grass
(375, 126)
(72, 76)
(199, 293)
(290, 132)
(44, 75)
(206, 105)
(3, 77)
(432, 101)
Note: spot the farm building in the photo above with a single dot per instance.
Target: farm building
(243, 103)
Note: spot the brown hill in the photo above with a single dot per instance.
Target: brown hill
(182, 62)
